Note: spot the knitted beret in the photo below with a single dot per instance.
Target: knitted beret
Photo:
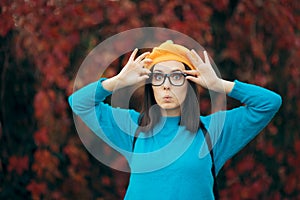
(169, 51)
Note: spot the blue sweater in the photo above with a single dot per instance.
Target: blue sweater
(172, 163)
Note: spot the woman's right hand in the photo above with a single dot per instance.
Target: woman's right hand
(132, 73)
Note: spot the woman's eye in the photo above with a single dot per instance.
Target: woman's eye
(176, 76)
(158, 77)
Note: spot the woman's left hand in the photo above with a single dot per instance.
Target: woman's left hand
(204, 75)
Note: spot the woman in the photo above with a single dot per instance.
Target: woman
(167, 161)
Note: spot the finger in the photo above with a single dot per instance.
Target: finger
(142, 78)
(145, 71)
(191, 57)
(196, 55)
(192, 78)
(133, 54)
(206, 57)
(192, 72)
(141, 57)
(147, 60)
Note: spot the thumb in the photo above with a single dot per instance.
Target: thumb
(192, 78)
(142, 78)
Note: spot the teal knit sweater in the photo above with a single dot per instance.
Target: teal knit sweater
(170, 162)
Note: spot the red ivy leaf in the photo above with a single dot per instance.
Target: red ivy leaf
(246, 165)
(18, 164)
(36, 189)
(220, 5)
(41, 137)
(41, 104)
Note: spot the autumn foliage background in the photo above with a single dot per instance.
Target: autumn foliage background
(43, 43)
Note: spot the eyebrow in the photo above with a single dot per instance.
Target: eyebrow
(175, 70)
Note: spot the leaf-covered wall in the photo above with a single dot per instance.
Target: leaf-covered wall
(43, 43)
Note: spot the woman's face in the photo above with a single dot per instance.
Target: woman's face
(168, 96)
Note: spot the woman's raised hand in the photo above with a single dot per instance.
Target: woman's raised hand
(132, 73)
(205, 75)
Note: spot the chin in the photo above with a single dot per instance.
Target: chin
(169, 106)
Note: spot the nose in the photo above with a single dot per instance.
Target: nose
(167, 84)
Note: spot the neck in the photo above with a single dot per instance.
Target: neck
(170, 112)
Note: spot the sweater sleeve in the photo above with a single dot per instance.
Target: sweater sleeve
(115, 126)
(242, 124)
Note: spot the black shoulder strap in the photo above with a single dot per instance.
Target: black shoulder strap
(137, 132)
(213, 169)
(134, 141)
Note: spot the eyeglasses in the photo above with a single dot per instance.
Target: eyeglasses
(175, 78)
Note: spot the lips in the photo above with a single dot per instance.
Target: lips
(167, 98)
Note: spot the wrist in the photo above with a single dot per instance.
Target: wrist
(227, 86)
(111, 84)
(222, 86)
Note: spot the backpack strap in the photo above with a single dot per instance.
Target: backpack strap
(137, 132)
(213, 169)
(134, 141)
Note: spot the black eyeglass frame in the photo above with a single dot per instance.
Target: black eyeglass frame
(165, 76)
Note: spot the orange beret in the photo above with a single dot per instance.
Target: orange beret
(169, 51)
